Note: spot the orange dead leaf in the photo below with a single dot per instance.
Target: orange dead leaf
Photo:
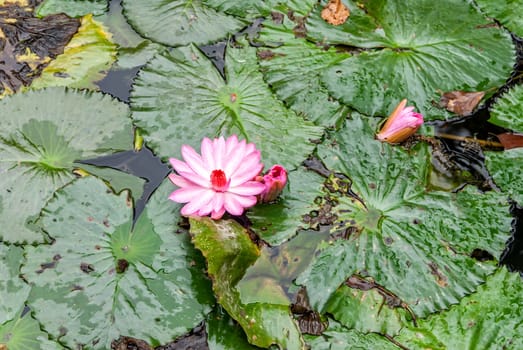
(461, 102)
(510, 140)
(335, 12)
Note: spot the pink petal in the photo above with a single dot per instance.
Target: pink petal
(219, 152)
(218, 214)
(194, 160)
(231, 143)
(235, 204)
(198, 203)
(249, 188)
(217, 202)
(234, 158)
(185, 171)
(187, 194)
(248, 169)
(180, 181)
(207, 153)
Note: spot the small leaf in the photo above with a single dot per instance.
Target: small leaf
(229, 252)
(510, 140)
(460, 102)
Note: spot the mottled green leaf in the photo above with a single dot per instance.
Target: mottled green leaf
(507, 110)
(40, 139)
(85, 60)
(414, 243)
(507, 12)
(294, 69)
(13, 291)
(505, 169)
(415, 50)
(180, 97)
(225, 334)
(109, 279)
(251, 9)
(279, 221)
(229, 252)
(179, 22)
(72, 8)
(488, 319)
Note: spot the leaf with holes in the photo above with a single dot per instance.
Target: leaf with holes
(488, 319)
(179, 22)
(39, 141)
(229, 252)
(102, 278)
(414, 243)
(414, 50)
(180, 97)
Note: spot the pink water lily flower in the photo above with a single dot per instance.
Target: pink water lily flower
(220, 179)
(274, 180)
(401, 124)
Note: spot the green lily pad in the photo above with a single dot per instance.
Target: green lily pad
(85, 60)
(488, 319)
(229, 252)
(507, 110)
(72, 8)
(414, 50)
(277, 222)
(250, 9)
(179, 22)
(180, 98)
(507, 12)
(39, 141)
(13, 291)
(109, 279)
(224, 334)
(294, 70)
(413, 242)
(505, 168)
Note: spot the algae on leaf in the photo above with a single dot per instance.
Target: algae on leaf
(39, 141)
(110, 278)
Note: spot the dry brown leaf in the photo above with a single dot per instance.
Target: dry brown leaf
(335, 12)
(461, 102)
(510, 140)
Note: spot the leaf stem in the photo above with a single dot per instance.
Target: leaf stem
(484, 143)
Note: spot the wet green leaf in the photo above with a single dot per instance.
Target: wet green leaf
(251, 9)
(109, 279)
(506, 111)
(13, 291)
(279, 221)
(294, 69)
(507, 12)
(415, 50)
(72, 8)
(489, 319)
(229, 252)
(39, 141)
(505, 169)
(180, 97)
(85, 60)
(179, 22)
(224, 334)
(414, 243)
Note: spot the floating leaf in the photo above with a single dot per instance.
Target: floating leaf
(85, 59)
(13, 291)
(506, 171)
(415, 49)
(223, 333)
(179, 98)
(489, 319)
(506, 12)
(293, 70)
(507, 110)
(414, 243)
(229, 252)
(179, 22)
(29, 43)
(460, 102)
(39, 141)
(250, 9)
(72, 8)
(110, 279)
(279, 221)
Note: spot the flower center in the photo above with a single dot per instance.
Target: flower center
(218, 180)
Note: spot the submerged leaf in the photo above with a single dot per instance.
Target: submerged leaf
(39, 141)
(229, 252)
(109, 278)
(413, 242)
(180, 98)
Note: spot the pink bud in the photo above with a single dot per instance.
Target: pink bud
(401, 124)
(274, 180)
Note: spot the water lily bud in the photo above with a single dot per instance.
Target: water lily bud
(274, 180)
(401, 124)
